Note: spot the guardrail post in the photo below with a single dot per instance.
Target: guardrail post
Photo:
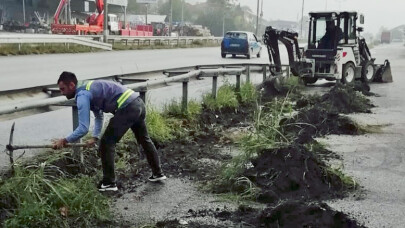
(238, 82)
(19, 46)
(288, 71)
(214, 86)
(247, 74)
(264, 72)
(77, 153)
(184, 102)
(142, 93)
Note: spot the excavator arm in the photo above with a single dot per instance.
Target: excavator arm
(298, 66)
(58, 11)
(289, 39)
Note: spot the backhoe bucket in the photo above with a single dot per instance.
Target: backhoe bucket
(383, 73)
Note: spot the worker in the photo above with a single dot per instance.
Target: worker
(332, 36)
(129, 111)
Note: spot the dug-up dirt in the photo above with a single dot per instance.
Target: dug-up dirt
(287, 184)
(292, 182)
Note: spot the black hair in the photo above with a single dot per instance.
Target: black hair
(67, 77)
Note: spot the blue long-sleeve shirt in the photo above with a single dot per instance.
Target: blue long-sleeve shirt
(83, 99)
(98, 96)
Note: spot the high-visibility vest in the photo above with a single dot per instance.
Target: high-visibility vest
(124, 96)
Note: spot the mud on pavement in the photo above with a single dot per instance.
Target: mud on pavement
(290, 180)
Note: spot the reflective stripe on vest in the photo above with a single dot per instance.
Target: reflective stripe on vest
(124, 97)
(88, 85)
(121, 99)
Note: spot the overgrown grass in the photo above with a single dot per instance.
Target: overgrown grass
(39, 198)
(35, 49)
(226, 98)
(248, 93)
(265, 134)
(158, 127)
(372, 128)
(174, 109)
(347, 181)
(29, 49)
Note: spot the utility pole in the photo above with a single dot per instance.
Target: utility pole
(257, 17)
(223, 25)
(170, 18)
(182, 18)
(105, 32)
(302, 14)
(261, 17)
(146, 15)
(69, 16)
(182, 12)
(24, 10)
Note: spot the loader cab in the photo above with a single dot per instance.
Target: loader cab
(328, 30)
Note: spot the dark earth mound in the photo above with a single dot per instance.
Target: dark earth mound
(299, 214)
(292, 172)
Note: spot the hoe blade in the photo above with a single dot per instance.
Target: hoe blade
(383, 73)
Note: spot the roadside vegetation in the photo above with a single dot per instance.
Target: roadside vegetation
(278, 161)
(36, 49)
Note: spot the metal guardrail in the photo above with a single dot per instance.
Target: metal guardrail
(140, 86)
(48, 38)
(200, 71)
(159, 40)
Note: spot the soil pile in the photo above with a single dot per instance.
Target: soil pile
(341, 99)
(298, 214)
(320, 115)
(292, 172)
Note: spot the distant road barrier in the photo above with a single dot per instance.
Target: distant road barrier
(161, 40)
(48, 38)
(95, 41)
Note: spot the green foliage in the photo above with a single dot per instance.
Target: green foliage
(177, 9)
(226, 98)
(219, 13)
(265, 134)
(41, 200)
(248, 93)
(158, 126)
(347, 181)
(28, 49)
(174, 109)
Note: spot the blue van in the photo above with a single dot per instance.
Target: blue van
(240, 43)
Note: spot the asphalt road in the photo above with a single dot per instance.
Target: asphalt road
(18, 72)
(377, 161)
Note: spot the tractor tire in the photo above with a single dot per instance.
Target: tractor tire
(223, 55)
(348, 73)
(309, 80)
(368, 72)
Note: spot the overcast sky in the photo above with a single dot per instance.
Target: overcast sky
(377, 13)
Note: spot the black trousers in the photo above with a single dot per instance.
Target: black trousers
(132, 116)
